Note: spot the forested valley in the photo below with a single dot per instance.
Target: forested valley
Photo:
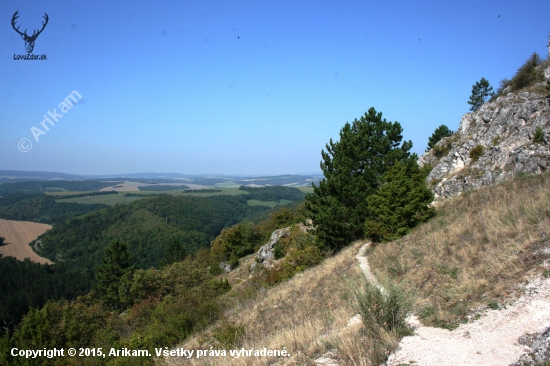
(156, 232)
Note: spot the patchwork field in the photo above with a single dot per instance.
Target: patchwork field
(126, 186)
(18, 235)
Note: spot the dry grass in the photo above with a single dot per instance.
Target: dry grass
(474, 252)
(308, 315)
(477, 248)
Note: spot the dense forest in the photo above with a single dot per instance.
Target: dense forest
(42, 208)
(25, 285)
(147, 226)
(273, 193)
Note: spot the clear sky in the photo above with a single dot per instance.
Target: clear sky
(244, 87)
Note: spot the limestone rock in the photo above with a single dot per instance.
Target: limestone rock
(540, 349)
(226, 267)
(502, 133)
(265, 254)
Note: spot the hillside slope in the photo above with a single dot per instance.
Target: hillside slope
(308, 315)
(469, 261)
(487, 249)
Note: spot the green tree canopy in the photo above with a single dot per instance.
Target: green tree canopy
(174, 253)
(114, 264)
(481, 91)
(439, 133)
(400, 203)
(353, 168)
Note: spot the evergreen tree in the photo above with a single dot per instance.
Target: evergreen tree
(114, 264)
(353, 168)
(400, 203)
(481, 91)
(174, 253)
(439, 133)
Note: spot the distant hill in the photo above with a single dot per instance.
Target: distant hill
(295, 180)
(7, 176)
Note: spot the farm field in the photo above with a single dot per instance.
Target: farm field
(18, 235)
(306, 190)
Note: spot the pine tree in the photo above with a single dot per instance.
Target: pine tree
(439, 133)
(481, 91)
(402, 202)
(114, 264)
(352, 169)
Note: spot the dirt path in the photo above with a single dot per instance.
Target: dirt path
(18, 235)
(491, 340)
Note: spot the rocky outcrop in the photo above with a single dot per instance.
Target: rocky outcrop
(540, 349)
(265, 255)
(491, 145)
(226, 267)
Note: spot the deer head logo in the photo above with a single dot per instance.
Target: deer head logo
(29, 40)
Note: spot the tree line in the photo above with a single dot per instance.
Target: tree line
(7, 189)
(273, 193)
(42, 208)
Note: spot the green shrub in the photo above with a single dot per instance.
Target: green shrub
(441, 151)
(388, 310)
(500, 90)
(538, 137)
(278, 250)
(235, 242)
(298, 251)
(527, 74)
(233, 262)
(496, 140)
(477, 152)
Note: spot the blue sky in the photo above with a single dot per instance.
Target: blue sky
(244, 87)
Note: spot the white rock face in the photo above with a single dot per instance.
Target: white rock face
(505, 129)
(226, 267)
(265, 254)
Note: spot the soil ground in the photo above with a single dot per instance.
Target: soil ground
(18, 235)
